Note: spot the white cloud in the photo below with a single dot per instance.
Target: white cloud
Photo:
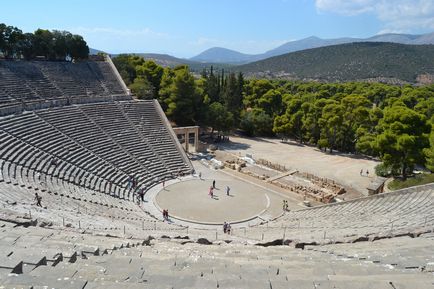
(396, 15)
(345, 7)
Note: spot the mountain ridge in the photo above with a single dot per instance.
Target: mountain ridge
(221, 55)
(402, 63)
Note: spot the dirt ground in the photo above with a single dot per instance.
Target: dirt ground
(190, 199)
(343, 168)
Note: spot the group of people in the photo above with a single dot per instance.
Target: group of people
(367, 172)
(285, 205)
(166, 214)
(53, 162)
(227, 228)
(132, 182)
(211, 190)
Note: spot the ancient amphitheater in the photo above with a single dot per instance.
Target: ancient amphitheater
(73, 134)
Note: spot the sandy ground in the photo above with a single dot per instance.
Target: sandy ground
(343, 168)
(189, 200)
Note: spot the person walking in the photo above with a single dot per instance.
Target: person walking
(227, 190)
(213, 184)
(38, 200)
(142, 194)
(200, 175)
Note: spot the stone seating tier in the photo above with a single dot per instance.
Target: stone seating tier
(30, 85)
(69, 260)
(97, 146)
(407, 211)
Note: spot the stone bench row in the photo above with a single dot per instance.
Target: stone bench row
(38, 79)
(390, 213)
(41, 132)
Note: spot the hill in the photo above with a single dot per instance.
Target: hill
(166, 60)
(302, 44)
(223, 55)
(348, 62)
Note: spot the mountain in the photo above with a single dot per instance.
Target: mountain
(306, 43)
(395, 38)
(223, 55)
(425, 39)
(390, 62)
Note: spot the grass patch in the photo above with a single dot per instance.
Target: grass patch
(417, 180)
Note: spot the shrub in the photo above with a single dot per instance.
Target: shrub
(382, 170)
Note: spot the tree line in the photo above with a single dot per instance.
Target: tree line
(52, 45)
(394, 123)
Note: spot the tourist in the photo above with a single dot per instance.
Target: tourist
(135, 181)
(213, 184)
(367, 173)
(167, 214)
(38, 200)
(164, 184)
(200, 175)
(227, 190)
(225, 227)
(130, 182)
(210, 191)
(228, 228)
(361, 172)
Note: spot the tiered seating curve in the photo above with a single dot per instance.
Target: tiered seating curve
(407, 211)
(29, 85)
(96, 146)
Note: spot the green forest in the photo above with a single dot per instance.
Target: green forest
(349, 62)
(394, 123)
(52, 45)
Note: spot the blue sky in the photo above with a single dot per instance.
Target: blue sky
(184, 28)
